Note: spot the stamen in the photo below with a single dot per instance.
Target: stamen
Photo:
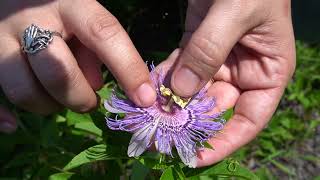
(168, 106)
(177, 99)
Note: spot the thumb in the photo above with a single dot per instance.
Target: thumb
(8, 122)
(209, 46)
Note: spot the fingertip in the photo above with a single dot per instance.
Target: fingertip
(185, 82)
(8, 122)
(145, 95)
(91, 104)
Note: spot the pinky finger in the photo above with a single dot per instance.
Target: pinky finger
(8, 122)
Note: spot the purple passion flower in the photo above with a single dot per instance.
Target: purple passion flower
(167, 123)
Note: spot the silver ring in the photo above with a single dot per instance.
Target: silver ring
(35, 39)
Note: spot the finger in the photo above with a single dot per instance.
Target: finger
(18, 82)
(102, 33)
(226, 95)
(209, 46)
(8, 122)
(88, 63)
(252, 112)
(167, 64)
(58, 71)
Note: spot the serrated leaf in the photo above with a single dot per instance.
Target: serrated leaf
(226, 168)
(95, 153)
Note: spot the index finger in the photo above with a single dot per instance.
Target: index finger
(101, 32)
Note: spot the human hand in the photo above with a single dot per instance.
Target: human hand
(247, 49)
(68, 71)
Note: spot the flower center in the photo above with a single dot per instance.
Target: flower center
(168, 107)
(166, 92)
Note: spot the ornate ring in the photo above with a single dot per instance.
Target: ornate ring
(35, 39)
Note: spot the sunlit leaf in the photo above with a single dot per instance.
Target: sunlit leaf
(61, 176)
(226, 168)
(74, 118)
(89, 127)
(171, 173)
(95, 153)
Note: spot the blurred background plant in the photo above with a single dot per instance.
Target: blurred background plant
(68, 145)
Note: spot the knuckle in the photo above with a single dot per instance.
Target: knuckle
(19, 96)
(103, 26)
(207, 54)
(245, 11)
(60, 75)
(245, 7)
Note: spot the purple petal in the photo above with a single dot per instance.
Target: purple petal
(111, 109)
(124, 105)
(163, 142)
(186, 151)
(140, 140)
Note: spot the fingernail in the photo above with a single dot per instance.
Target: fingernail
(7, 127)
(185, 82)
(146, 95)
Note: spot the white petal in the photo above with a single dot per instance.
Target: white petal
(188, 158)
(141, 139)
(111, 109)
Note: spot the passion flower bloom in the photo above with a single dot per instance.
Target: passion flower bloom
(169, 122)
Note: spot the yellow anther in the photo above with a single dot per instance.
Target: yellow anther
(165, 91)
(177, 99)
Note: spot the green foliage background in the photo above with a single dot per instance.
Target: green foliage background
(68, 145)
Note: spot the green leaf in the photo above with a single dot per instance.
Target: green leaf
(207, 145)
(172, 173)
(152, 161)
(49, 133)
(89, 127)
(228, 114)
(226, 168)
(265, 174)
(267, 145)
(22, 159)
(74, 118)
(167, 174)
(178, 171)
(317, 178)
(95, 153)
(139, 171)
(61, 176)
(106, 90)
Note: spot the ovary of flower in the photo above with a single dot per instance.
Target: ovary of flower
(177, 99)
